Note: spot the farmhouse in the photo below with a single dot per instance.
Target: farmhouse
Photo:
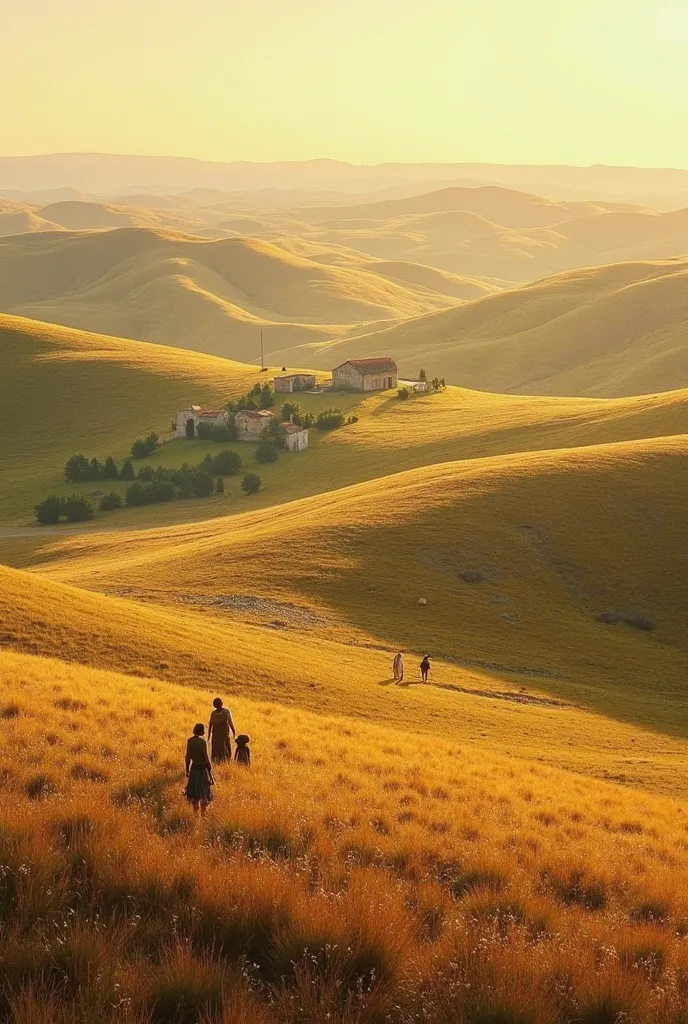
(251, 423)
(294, 437)
(376, 374)
(294, 382)
(187, 420)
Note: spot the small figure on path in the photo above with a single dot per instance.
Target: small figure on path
(199, 773)
(398, 668)
(242, 755)
(218, 732)
(425, 668)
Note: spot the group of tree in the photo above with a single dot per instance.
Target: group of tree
(261, 396)
(216, 432)
(76, 508)
(145, 446)
(78, 468)
(435, 384)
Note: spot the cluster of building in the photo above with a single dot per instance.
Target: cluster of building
(376, 374)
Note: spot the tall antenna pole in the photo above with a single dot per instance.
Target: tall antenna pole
(262, 362)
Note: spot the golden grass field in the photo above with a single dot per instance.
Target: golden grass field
(503, 845)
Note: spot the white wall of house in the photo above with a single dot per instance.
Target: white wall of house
(296, 442)
(347, 376)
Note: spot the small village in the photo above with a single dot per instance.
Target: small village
(378, 373)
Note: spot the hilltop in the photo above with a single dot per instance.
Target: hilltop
(607, 331)
(104, 392)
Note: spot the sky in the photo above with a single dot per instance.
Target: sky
(369, 81)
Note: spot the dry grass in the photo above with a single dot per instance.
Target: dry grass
(346, 873)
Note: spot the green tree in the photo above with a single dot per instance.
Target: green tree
(251, 483)
(127, 471)
(251, 404)
(220, 486)
(266, 399)
(227, 463)
(136, 494)
(76, 468)
(202, 485)
(95, 470)
(110, 471)
(139, 449)
(330, 419)
(292, 409)
(146, 474)
(49, 510)
(403, 393)
(422, 374)
(255, 391)
(78, 508)
(110, 501)
(266, 451)
(161, 490)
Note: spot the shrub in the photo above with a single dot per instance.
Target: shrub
(95, 470)
(161, 490)
(251, 404)
(330, 419)
(146, 474)
(403, 393)
(216, 433)
(202, 485)
(110, 501)
(127, 470)
(136, 494)
(220, 486)
(291, 409)
(251, 483)
(76, 468)
(110, 471)
(640, 622)
(255, 391)
(266, 399)
(144, 447)
(266, 451)
(78, 508)
(227, 463)
(422, 375)
(49, 510)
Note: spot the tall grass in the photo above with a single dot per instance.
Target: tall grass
(320, 887)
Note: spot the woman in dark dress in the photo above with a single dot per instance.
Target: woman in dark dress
(219, 728)
(199, 774)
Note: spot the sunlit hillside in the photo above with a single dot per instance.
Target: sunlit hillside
(203, 294)
(128, 389)
(351, 874)
(615, 330)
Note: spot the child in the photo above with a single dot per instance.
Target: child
(242, 755)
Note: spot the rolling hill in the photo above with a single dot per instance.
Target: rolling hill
(607, 331)
(209, 295)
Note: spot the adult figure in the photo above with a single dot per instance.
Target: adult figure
(218, 732)
(199, 773)
(398, 667)
(425, 668)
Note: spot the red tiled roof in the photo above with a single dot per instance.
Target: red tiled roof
(375, 365)
(291, 428)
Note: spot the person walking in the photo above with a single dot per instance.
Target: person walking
(425, 668)
(242, 755)
(398, 668)
(199, 773)
(219, 727)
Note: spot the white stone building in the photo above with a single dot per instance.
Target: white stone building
(294, 382)
(187, 420)
(294, 437)
(376, 374)
(251, 423)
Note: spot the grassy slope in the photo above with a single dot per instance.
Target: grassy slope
(616, 330)
(204, 294)
(420, 861)
(101, 393)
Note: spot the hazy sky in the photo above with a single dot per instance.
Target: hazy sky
(532, 81)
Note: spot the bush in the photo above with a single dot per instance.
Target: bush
(48, 512)
(110, 471)
(403, 393)
(292, 409)
(110, 501)
(202, 484)
(127, 470)
(141, 448)
(220, 486)
(211, 432)
(76, 468)
(161, 490)
(95, 470)
(227, 463)
(330, 419)
(136, 494)
(146, 474)
(251, 483)
(266, 399)
(78, 508)
(266, 451)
